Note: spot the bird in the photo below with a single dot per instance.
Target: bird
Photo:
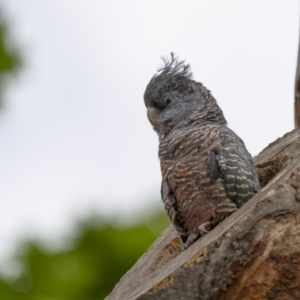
(207, 172)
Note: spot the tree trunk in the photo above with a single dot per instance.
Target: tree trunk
(253, 254)
(297, 92)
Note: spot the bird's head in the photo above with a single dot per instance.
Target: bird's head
(174, 100)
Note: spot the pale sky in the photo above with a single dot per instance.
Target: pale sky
(74, 135)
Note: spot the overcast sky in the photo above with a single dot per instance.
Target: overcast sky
(74, 134)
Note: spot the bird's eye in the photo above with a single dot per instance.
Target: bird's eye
(168, 101)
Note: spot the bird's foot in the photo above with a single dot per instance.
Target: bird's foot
(205, 228)
(190, 240)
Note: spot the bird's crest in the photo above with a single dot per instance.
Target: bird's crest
(174, 67)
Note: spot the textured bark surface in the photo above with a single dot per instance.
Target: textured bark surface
(253, 254)
(297, 92)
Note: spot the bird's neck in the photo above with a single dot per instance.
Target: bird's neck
(211, 113)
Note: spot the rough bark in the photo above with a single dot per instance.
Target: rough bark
(297, 104)
(253, 254)
(297, 92)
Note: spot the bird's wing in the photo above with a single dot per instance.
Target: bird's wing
(231, 160)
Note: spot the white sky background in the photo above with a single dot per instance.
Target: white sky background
(74, 135)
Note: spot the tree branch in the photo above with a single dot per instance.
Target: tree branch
(297, 91)
(253, 254)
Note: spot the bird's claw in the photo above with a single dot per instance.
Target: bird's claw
(203, 228)
(190, 240)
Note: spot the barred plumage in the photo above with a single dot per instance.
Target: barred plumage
(207, 173)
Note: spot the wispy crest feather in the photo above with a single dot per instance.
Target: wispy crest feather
(174, 67)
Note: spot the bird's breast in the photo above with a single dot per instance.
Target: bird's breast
(184, 165)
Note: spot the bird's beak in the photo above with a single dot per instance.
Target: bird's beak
(153, 117)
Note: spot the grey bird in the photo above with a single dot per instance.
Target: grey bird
(207, 172)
